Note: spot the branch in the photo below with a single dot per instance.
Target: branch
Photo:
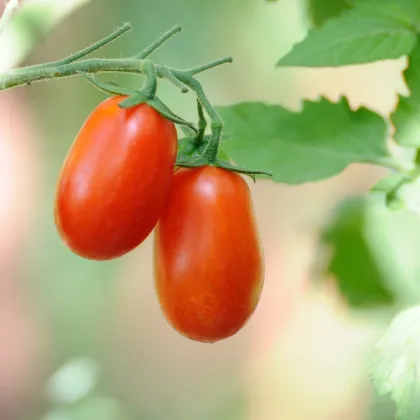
(31, 74)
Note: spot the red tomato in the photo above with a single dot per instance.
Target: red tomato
(115, 181)
(209, 268)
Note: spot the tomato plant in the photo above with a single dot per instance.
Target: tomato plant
(121, 176)
(208, 259)
(115, 180)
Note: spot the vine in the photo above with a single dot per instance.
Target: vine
(140, 63)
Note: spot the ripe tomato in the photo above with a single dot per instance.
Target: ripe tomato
(115, 180)
(209, 268)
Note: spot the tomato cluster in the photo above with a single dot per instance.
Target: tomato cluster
(119, 183)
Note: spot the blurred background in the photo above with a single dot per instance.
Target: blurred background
(85, 340)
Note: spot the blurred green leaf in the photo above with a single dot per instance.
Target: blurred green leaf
(353, 264)
(101, 407)
(30, 24)
(383, 408)
(374, 30)
(375, 253)
(301, 147)
(396, 366)
(406, 117)
(321, 10)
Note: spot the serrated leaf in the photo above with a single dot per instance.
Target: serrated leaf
(406, 117)
(374, 30)
(396, 366)
(302, 147)
(353, 264)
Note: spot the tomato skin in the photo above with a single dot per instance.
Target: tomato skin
(115, 180)
(208, 259)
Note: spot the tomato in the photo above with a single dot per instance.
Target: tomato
(115, 181)
(208, 259)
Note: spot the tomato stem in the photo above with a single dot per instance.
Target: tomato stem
(167, 73)
(211, 65)
(150, 86)
(161, 40)
(202, 124)
(82, 53)
(216, 123)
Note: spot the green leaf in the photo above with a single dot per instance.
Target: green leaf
(396, 366)
(321, 10)
(353, 264)
(374, 30)
(382, 408)
(302, 147)
(406, 117)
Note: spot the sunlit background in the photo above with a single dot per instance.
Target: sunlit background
(85, 340)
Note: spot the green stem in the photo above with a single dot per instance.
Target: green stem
(150, 87)
(32, 74)
(93, 65)
(202, 124)
(209, 66)
(82, 53)
(97, 45)
(216, 122)
(155, 45)
(168, 75)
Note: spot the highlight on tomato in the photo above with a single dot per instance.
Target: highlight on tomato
(115, 180)
(208, 259)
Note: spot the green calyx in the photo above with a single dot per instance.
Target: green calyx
(192, 154)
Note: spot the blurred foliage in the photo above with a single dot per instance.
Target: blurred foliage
(28, 27)
(406, 118)
(383, 408)
(396, 367)
(375, 253)
(320, 11)
(353, 263)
